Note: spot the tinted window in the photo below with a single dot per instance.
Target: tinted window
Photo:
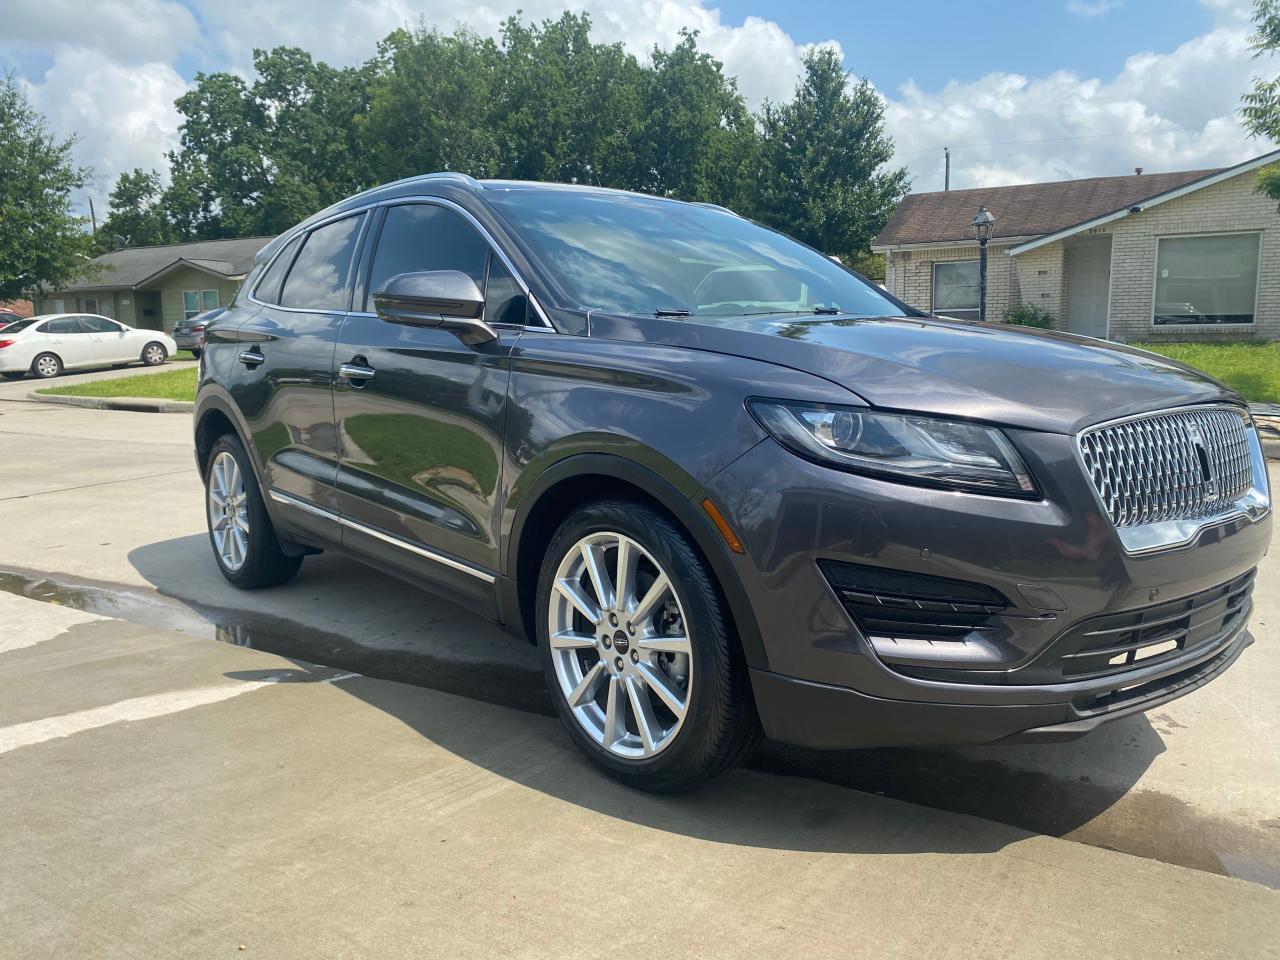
(418, 237)
(318, 279)
(268, 290)
(504, 301)
(633, 254)
(100, 325)
(21, 324)
(63, 325)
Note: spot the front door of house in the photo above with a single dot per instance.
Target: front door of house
(1088, 283)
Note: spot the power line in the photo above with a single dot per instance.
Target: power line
(1093, 136)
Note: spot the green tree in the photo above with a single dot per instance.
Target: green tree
(821, 171)
(1261, 110)
(136, 212)
(42, 241)
(257, 158)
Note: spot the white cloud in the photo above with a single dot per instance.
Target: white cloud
(1088, 9)
(110, 78)
(122, 114)
(1162, 111)
(123, 29)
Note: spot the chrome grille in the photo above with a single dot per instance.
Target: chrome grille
(1183, 465)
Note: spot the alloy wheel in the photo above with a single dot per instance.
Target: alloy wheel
(47, 366)
(154, 354)
(228, 505)
(620, 645)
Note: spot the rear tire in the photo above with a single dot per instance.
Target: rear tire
(665, 704)
(46, 366)
(154, 354)
(195, 352)
(244, 542)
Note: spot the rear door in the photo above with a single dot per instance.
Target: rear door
(70, 339)
(422, 438)
(111, 341)
(283, 381)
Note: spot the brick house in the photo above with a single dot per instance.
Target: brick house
(155, 287)
(1178, 256)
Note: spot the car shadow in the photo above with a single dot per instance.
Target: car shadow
(1047, 789)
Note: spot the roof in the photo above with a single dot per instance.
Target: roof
(1026, 210)
(133, 266)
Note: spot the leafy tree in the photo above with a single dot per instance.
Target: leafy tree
(696, 134)
(1261, 111)
(137, 212)
(42, 241)
(821, 170)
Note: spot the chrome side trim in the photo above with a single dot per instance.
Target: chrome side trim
(311, 508)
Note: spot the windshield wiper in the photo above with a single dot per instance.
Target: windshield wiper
(672, 312)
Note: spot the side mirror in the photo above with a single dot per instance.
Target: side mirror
(435, 298)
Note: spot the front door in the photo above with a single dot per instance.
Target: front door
(1088, 284)
(422, 436)
(111, 342)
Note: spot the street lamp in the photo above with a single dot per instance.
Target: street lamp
(982, 223)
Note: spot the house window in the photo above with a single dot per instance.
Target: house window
(955, 289)
(1212, 278)
(89, 304)
(198, 301)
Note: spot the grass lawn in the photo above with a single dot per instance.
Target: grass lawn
(179, 384)
(1251, 368)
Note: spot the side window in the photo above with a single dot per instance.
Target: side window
(64, 325)
(318, 280)
(268, 289)
(418, 236)
(504, 301)
(100, 325)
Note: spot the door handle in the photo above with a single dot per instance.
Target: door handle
(356, 371)
(251, 358)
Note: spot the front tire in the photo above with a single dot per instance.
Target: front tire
(244, 542)
(46, 366)
(154, 354)
(638, 652)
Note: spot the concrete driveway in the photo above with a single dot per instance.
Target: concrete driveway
(158, 808)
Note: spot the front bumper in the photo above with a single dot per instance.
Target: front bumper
(822, 682)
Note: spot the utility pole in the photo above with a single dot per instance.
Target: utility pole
(946, 183)
(93, 217)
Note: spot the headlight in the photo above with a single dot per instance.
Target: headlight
(925, 450)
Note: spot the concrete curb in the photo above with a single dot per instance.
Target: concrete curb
(133, 404)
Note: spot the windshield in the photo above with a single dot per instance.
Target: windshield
(623, 253)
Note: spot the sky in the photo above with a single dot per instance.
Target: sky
(1024, 91)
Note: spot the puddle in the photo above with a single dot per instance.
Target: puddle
(1135, 821)
(493, 683)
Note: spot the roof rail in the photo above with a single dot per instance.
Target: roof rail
(715, 206)
(470, 181)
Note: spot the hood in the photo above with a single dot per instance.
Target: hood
(1038, 379)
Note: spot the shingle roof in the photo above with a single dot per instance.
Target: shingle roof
(1025, 210)
(132, 265)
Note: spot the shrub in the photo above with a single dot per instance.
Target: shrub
(1029, 315)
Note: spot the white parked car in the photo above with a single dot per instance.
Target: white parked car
(45, 346)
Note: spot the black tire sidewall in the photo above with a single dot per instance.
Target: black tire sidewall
(689, 756)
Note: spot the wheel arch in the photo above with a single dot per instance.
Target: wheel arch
(596, 476)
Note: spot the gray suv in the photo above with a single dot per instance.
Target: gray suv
(728, 487)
